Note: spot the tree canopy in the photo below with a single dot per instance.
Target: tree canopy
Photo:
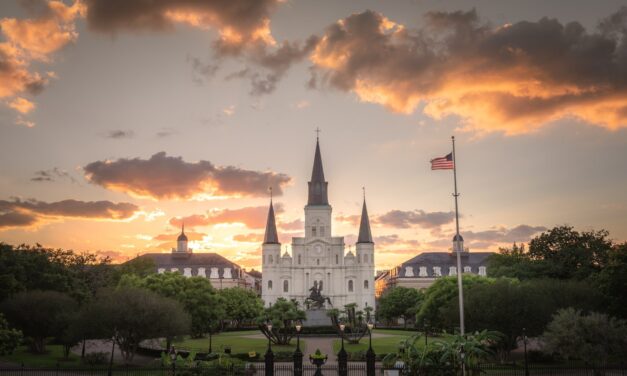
(40, 314)
(241, 305)
(203, 303)
(283, 315)
(131, 315)
(399, 302)
(594, 338)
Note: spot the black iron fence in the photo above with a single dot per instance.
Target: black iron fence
(352, 369)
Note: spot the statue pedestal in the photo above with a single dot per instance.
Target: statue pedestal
(317, 317)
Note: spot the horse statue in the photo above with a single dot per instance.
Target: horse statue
(316, 300)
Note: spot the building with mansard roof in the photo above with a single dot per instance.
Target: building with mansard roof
(319, 259)
(221, 272)
(423, 270)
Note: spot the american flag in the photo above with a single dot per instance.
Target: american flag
(443, 163)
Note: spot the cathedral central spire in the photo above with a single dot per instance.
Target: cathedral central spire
(317, 185)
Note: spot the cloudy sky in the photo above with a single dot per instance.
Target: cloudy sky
(121, 119)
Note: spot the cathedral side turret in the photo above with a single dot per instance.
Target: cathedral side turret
(319, 258)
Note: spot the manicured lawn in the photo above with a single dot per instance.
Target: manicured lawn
(239, 342)
(53, 355)
(382, 345)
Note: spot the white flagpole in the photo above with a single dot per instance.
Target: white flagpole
(456, 246)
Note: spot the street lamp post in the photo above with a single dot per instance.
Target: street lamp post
(269, 355)
(173, 359)
(525, 349)
(112, 351)
(298, 355)
(426, 327)
(342, 357)
(370, 355)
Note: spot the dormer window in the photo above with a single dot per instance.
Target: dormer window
(422, 271)
(452, 270)
(467, 269)
(437, 272)
(482, 271)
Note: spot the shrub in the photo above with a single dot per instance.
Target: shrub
(96, 358)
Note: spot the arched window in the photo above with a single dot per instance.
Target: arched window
(298, 259)
(366, 258)
(313, 231)
(366, 284)
(286, 286)
(337, 259)
(269, 285)
(358, 258)
(318, 261)
(271, 259)
(350, 285)
(321, 230)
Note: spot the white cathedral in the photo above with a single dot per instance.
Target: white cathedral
(319, 259)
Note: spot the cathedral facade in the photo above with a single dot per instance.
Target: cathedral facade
(319, 262)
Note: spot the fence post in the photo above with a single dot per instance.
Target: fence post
(298, 362)
(342, 361)
(269, 360)
(370, 361)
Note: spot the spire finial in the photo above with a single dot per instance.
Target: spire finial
(317, 133)
(364, 190)
(270, 188)
(182, 227)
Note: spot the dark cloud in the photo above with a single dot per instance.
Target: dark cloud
(252, 217)
(237, 21)
(406, 219)
(202, 72)
(520, 233)
(384, 240)
(511, 78)
(164, 177)
(28, 212)
(51, 175)
(119, 134)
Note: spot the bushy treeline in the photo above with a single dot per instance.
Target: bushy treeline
(525, 288)
(66, 297)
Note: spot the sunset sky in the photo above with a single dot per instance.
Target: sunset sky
(120, 119)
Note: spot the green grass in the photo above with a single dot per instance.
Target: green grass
(53, 355)
(237, 340)
(383, 345)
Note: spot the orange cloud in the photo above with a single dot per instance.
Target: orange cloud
(248, 238)
(31, 39)
(18, 213)
(22, 105)
(252, 217)
(512, 79)
(164, 177)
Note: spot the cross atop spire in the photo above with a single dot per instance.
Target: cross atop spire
(317, 185)
(317, 133)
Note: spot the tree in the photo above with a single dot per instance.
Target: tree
(241, 305)
(508, 306)
(612, 281)
(355, 321)
(40, 314)
(27, 267)
(198, 297)
(131, 315)
(593, 338)
(439, 294)
(571, 254)
(9, 338)
(283, 315)
(399, 302)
